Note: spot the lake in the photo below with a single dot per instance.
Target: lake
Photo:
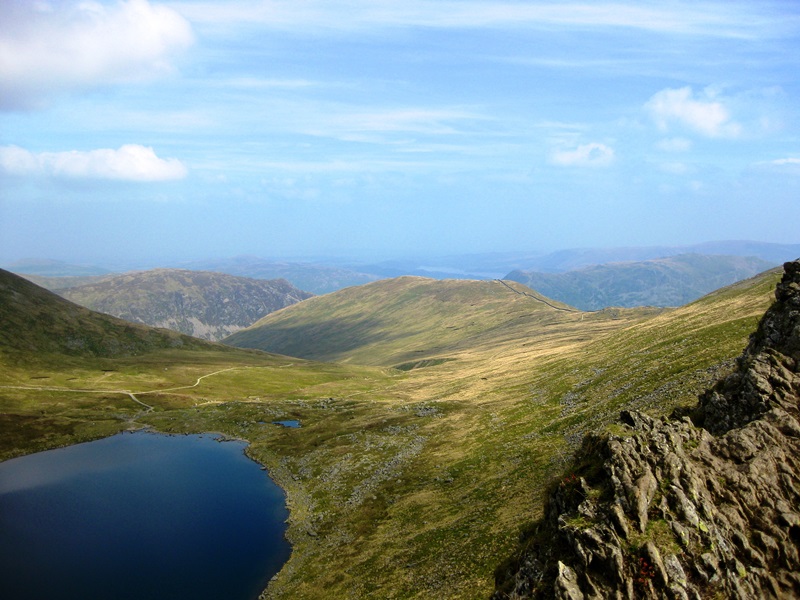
(140, 516)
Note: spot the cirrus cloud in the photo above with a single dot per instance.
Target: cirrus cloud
(792, 162)
(130, 162)
(586, 155)
(50, 47)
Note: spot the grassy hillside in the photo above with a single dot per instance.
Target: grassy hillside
(68, 374)
(672, 281)
(404, 320)
(413, 482)
(199, 303)
(35, 323)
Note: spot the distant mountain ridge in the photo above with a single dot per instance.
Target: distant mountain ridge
(198, 303)
(671, 281)
(45, 267)
(36, 322)
(311, 277)
(493, 265)
(575, 258)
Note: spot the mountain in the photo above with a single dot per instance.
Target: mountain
(53, 268)
(35, 322)
(56, 283)
(494, 265)
(576, 258)
(314, 278)
(405, 482)
(672, 281)
(394, 321)
(198, 303)
(684, 508)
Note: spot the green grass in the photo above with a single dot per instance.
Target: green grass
(405, 483)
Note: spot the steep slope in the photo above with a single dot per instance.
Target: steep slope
(34, 321)
(407, 484)
(391, 322)
(671, 508)
(672, 281)
(198, 303)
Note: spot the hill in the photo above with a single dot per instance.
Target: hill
(403, 320)
(198, 303)
(411, 482)
(308, 276)
(56, 283)
(576, 258)
(36, 322)
(670, 508)
(44, 267)
(494, 265)
(672, 281)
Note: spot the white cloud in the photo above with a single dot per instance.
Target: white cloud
(710, 19)
(585, 155)
(674, 168)
(409, 120)
(791, 162)
(707, 116)
(130, 162)
(48, 47)
(676, 144)
(781, 165)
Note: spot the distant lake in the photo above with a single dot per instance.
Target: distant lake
(139, 516)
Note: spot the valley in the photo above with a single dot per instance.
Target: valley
(434, 414)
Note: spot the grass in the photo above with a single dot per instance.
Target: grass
(405, 483)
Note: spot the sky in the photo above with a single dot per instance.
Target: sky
(147, 130)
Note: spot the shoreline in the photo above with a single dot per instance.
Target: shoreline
(218, 436)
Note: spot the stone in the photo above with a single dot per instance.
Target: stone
(724, 486)
(567, 584)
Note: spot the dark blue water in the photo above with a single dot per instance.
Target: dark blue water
(291, 423)
(139, 516)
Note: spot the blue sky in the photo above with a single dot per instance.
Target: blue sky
(149, 131)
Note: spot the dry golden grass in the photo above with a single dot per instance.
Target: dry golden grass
(412, 484)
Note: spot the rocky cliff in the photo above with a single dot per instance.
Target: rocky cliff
(701, 505)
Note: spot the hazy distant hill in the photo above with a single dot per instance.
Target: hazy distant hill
(314, 278)
(397, 321)
(575, 258)
(198, 303)
(670, 281)
(55, 283)
(35, 321)
(493, 265)
(45, 267)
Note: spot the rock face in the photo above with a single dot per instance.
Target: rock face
(701, 507)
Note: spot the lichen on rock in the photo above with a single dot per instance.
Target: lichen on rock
(707, 506)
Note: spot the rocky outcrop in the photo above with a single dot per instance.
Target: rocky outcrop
(702, 505)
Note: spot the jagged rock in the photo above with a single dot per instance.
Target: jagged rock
(682, 508)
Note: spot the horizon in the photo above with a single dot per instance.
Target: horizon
(483, 264)
(136, 130)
